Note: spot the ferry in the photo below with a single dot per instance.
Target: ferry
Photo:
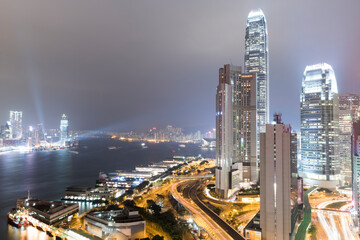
(182, 145)
(112, 148)
(143, 145)
(14, 219)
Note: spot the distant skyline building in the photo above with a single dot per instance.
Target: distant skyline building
(257, 61)
(278, 185)
(16, 124)
(319, 106)
(349, 111)
(64, 128)
(226, 173)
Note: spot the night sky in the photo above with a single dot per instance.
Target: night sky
(114, 64)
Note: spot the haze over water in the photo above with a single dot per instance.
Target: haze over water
(47, 174)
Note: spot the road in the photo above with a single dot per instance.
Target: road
(336, 224)
(200, 218)
(224, 225)
(218, 227)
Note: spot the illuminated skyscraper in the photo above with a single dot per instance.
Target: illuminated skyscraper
(245, 127)
(349, 110)
(319, 106)
(64, 128)
(257, 61)
(226, 172)
(16, 124)
(355, 161)
(278, 185)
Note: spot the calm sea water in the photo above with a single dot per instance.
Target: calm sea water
(47, 174)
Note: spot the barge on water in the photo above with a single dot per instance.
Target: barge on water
(15, 220)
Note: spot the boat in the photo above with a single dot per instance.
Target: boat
(39, 228)
(182, 145)
(75, 152)
(112, 148)
(14, 219)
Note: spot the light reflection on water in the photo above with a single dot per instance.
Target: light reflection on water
(47, 174)
(31, 233)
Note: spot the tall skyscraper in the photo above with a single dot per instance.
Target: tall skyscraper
(64, 129)
(319, 107)
(278, 196)
(355, 161)
(245, 127)
(226, 173)
(349, 111)
(16, 124)
(257, 61)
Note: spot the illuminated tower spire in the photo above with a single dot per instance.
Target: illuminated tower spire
(257, 60)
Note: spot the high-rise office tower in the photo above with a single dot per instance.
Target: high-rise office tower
(278, 197)
(319, 113)
(355, 162)
(226, 172)
(39, 133)
(349, 110)
(257, 61)
(64, 128)
(245, 127)
(16, 124)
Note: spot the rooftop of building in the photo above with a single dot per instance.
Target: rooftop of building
(255, 15)
(49, 207)
(117, 216)
(78, 233)
(254, 223)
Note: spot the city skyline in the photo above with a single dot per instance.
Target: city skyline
(151, 120)
(100, 89)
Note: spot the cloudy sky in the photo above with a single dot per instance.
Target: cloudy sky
(114, 64)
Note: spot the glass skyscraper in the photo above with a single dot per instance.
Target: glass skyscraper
(15, 124)
(64, 128)
(257, 61)
(349, 111)
(319, 126)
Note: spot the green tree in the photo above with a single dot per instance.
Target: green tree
(129, 203)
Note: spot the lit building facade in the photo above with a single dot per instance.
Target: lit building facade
(257, 61)
(349, 110)
(64, 128)
(278, 195)
(319, 113)
(226, 172)
(245, 126)
(15, 124)
(355, 160)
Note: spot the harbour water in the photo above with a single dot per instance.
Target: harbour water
(47, 174)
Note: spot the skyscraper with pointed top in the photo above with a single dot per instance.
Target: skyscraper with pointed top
(257, 61)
